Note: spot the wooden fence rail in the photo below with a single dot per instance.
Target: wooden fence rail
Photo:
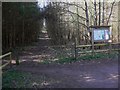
(98, 51)
(80, 46)
(90, 51)
(9, 62)
(96, 45)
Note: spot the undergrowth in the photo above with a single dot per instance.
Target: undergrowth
(96, 56)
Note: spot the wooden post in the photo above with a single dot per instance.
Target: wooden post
(10, 60)
(92, 42)
(110, 41)
(110, 46)
(17, 56)
(75, 49)
(17, 60)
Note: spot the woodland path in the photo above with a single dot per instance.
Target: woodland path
(85, 74)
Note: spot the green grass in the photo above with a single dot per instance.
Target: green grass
(96, 56)
(13, 78)
(46, 62)
(65, 60)
(17, 79)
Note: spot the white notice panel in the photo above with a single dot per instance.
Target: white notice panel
(101, 34)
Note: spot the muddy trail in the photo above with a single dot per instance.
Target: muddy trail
(102, 73)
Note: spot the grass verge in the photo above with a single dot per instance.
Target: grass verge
(14, 79)
(17, 79)
(96, 56)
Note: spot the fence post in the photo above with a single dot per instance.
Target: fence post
(75, 50)
(17, 60)
(17, 56)
(10, 60)
(110, 46)
(92, 43)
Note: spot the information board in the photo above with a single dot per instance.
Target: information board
(101, 34)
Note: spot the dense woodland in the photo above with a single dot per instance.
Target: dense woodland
(21, 23)
(71, 21)
(65, 22)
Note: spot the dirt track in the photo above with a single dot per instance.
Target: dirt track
(89, 74)
(84, 74)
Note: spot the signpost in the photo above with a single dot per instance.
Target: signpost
(101, 34)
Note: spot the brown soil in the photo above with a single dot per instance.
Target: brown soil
(88, 74)
(101, 73)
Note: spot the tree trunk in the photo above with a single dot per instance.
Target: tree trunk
(78, 33)
(14, 41)
(110, 13)
(95, 5)
(23, 33)
(100, 12)
(87, 21)
(87, 16)
(103, 14)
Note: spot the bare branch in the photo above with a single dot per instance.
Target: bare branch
(110, 12)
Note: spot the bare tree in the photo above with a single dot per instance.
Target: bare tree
(103, 14)
(110, 12)
(99, 12)
(87, 16)
(95, 9)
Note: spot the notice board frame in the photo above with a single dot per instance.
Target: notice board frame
(105, 41)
